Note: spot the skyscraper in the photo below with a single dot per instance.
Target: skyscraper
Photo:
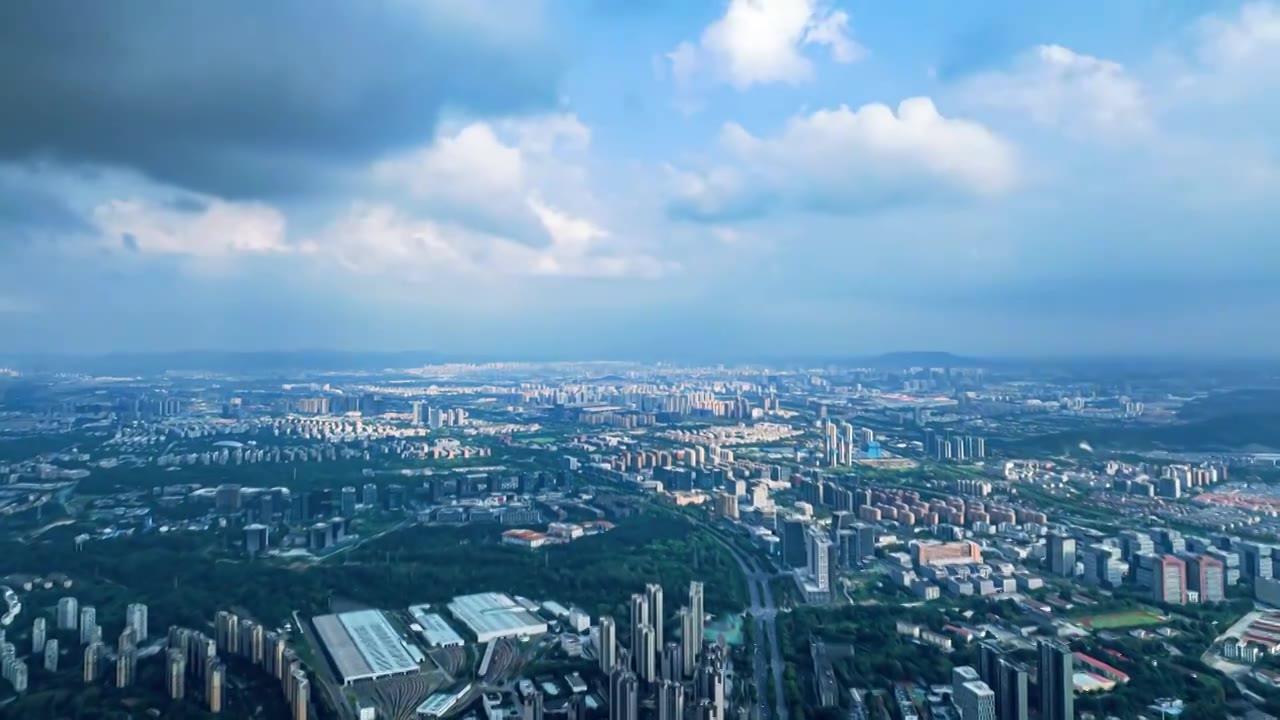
(608, 644)
(136, 618)
(1055, 675)
(1062, 554)
(1011, 691)
(653, 595)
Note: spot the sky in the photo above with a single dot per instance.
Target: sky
(641, 178)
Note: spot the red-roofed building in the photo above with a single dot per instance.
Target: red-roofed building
(1094, 665)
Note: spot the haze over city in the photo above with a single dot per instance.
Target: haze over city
(640, 178)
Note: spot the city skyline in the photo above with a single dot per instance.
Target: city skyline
(606, 178)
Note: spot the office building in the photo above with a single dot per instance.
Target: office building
(624, 695)
(795, 549)
(1056, 681)
(136, 618)
(653, 596)
(670, 701)
(39, 633)
(975, 700)
(176, 673)
(1011, 691)
(68, 613)
(608, 647)
(1061, 552)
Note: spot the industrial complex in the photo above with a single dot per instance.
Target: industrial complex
(363, 645)
(494, 615)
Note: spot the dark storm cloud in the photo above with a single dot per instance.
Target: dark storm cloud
(243, 97)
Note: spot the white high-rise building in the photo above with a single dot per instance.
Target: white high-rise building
(608, 644)
(136, 618)
(68, 613)
(653, 595)
(88, 625)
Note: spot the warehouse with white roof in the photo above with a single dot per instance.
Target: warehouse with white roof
(495, 615)
(364, 646)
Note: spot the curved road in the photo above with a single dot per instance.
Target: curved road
(765, 613)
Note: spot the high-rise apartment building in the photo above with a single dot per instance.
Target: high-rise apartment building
(1056, 681)
(608, 649)
(653, 596)
(1170, 580)
(690, 641)
(671, 701)
(88, 625)
(176, 673)
(624, 695)
(39, 633)
(136, 618)
(1206, 575)
(646, 658)
(68, 613)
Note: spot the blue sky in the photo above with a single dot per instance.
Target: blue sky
(607, 178)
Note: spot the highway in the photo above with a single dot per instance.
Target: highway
(764, 612)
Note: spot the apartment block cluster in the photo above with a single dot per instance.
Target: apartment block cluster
(71, 617)
(195, 664)
(1173, 568)
(1168, 481)
(842, 444)
(943, 446)
(437, 417)
(684, 678)
(997, 688)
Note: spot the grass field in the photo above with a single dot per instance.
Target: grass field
(1121, 620)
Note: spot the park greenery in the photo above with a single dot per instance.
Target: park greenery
(186, 580)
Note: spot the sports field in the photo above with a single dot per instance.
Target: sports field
(1121, 620)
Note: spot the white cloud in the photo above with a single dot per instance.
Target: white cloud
(381, 239)
(846, 160)
(220, 229)
(1058, 87)
(761, 42)
(1250, 37)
